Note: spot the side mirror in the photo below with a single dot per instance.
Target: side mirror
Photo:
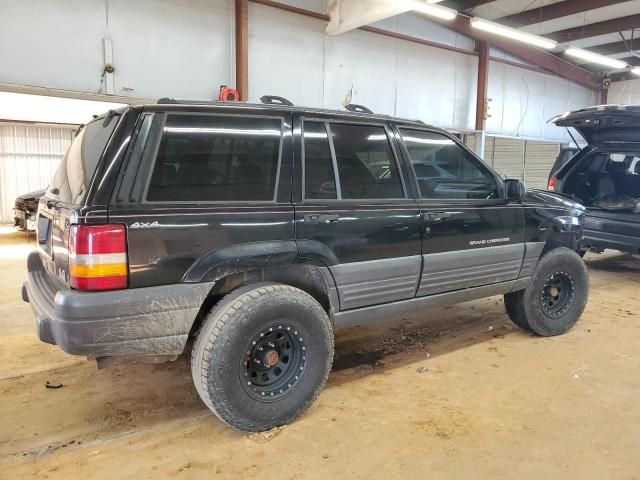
(514, 189)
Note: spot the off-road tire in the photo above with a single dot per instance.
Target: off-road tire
(225, 344)
(529, 309)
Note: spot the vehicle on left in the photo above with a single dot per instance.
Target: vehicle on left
(24, 212)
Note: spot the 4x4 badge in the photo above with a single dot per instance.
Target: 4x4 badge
(144, 225)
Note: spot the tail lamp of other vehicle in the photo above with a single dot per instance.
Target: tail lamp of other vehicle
(98, 257)
(552, 184)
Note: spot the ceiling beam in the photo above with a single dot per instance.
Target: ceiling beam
(464, 5)
(594, 29)
(616, 47)
(553, 11)
(545, 60)
(622, 76)
(633, 61)
(347, 15)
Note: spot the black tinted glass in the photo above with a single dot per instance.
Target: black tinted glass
(366, 165)
(76, 169)
(216, 158)
(319, 175)
(445, 170)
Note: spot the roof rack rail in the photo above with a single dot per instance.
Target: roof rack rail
(354, 107)
(275, 100)
(173, 101)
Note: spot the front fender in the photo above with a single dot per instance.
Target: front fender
(569, 224)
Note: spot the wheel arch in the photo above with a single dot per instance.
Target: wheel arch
(309, 275)
(562, 238)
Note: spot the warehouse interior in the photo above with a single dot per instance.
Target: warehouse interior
(455, 392)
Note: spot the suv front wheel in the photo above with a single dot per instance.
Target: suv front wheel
(262, 356)
(555, 297)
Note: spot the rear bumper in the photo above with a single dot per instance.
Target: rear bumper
(610, 233)
(141, 321)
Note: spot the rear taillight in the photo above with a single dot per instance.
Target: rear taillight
(552, 184)
(98, 257)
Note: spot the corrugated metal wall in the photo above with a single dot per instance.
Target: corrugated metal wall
(526, 160)
(508, 157)
(387, 75)
(289, 55)
(29, 155)
(539, 157)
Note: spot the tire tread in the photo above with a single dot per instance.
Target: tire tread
(216, 323)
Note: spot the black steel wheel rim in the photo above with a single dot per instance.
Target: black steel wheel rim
(273, 362)
(557, 294)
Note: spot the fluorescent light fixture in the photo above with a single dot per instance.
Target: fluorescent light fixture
(595, 58)
(437, 11)
(635, 71)
(513, 34)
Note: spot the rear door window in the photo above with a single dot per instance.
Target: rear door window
(216, 158)
(366, 165)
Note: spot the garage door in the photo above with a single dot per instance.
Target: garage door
(29, 155)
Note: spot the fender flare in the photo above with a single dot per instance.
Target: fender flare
(244, 257)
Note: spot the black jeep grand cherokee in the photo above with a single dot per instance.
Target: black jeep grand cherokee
(256, 230)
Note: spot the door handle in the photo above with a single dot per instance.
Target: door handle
(315, 218)
(329, 218)
(436, 216)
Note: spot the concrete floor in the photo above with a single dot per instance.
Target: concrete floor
(456, 392)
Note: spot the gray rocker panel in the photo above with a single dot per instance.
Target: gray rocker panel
(448, 271)
(378, 281)
(366, 315)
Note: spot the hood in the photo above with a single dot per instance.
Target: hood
(553, 199)
(603, 123)
(31, 195)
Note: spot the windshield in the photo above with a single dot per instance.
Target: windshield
(72, 178)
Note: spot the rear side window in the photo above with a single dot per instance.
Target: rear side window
(319, 175)
(366, 165)
(72, 178)
(216, 158)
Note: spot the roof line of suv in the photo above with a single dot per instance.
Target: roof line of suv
(182, 105)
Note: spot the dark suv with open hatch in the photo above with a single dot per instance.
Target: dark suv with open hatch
(255, 230)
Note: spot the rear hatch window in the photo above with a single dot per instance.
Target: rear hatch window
(71, 180)
(67, 190)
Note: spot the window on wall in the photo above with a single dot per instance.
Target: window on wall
(216, 158)
(446, 170)
(366, 165)
(319, 176)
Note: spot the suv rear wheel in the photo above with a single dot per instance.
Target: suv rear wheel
(555, 297)
(262, 356)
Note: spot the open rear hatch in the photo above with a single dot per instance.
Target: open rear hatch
(604, 123)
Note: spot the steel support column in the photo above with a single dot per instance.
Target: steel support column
(482, 47)
(242, 48)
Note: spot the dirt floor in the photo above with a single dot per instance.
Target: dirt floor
(451, 393)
